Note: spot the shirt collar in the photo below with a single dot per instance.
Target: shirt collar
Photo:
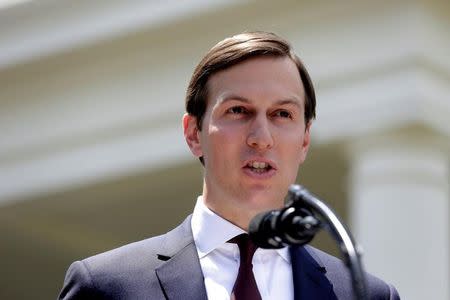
(210, 231)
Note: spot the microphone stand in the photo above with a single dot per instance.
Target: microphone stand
(301, 198)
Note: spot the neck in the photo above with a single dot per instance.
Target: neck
(228, 209)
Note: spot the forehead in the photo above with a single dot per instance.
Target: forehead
(269, 78)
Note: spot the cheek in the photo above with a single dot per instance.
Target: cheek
(226, 134)
(221, 141)
(292, 150)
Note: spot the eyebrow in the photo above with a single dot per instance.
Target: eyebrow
(232, 97)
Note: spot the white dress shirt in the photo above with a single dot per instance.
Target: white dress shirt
(219, 260)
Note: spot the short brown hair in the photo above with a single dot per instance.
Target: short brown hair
(234, 50)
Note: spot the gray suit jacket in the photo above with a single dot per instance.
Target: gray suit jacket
(167, 267)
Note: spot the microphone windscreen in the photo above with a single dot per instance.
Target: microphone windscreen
(262, 230)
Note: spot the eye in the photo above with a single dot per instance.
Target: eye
(283, 114)
(237, 110)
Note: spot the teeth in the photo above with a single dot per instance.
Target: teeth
(258, 165)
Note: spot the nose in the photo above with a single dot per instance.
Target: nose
(260, 135)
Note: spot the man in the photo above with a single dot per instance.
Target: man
(250, 104)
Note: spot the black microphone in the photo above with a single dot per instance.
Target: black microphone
(279, 228)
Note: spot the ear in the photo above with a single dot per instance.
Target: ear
(305, 143)
(192, 134)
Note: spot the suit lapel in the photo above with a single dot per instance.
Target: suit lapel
(308, 271)
(181, 276)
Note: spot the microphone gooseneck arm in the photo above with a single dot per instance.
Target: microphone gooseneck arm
(298, 195)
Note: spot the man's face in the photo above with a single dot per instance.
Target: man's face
(253, 137)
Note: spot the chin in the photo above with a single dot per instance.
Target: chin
(264, 201)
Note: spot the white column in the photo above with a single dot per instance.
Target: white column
(399, 200)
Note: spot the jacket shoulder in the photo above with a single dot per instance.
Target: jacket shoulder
(127, 258)
(127, 272)
(116, 273)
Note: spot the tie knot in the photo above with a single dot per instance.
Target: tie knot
(246, 247)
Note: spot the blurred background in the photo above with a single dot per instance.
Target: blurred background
(92, 154)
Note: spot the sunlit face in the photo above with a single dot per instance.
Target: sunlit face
(253, 137)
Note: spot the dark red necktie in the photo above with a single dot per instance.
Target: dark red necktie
(245, 287)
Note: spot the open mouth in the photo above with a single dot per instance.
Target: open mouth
(259, 167)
